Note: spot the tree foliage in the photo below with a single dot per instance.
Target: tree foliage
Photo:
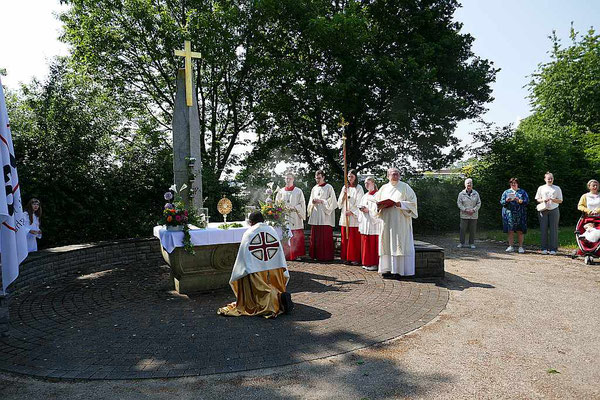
(400, 72)
(98, 178)
(562, 135)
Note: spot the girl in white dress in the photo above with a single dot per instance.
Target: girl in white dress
(33, 214)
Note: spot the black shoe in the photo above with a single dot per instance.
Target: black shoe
(286, 302)
(387, 275)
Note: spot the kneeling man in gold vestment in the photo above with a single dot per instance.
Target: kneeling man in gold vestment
(260, 274)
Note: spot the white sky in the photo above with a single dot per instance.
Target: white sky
(511, 33)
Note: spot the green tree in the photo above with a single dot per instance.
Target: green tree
(562, 135)
(98, 175)
(400, 72)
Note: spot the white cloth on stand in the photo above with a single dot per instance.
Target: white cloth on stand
(199, 237)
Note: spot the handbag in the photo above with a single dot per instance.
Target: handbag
(541, 207)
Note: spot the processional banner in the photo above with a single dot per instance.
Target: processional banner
(12, 231)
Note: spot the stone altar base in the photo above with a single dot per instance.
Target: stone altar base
(429, 258)
(209, 268)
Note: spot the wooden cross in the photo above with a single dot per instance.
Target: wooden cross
(188, 54)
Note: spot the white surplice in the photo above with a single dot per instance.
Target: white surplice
(323, 213)
(293, 199)
(354, 196)
(368, 223)
(396, 243)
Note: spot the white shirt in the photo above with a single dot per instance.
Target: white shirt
(322, 213)
(592, 201)
(293, 199)
(368, 223)
(546, 192)
(354, 196)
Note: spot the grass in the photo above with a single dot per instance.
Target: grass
(566, 237)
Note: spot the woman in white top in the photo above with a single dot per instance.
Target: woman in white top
(350, 251)
(369, 227)
(33, 214)
(549, 196)
(589, 203)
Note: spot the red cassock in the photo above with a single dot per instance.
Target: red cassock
(351, 245)
(296, 247)
(370, 250)
(321, 242)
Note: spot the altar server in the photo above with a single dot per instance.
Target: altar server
(295, 214)
(397, 204)
(260, 275)
(369, 227)
(350, 251)
(321, 218)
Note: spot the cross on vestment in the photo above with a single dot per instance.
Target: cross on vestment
(188, 54)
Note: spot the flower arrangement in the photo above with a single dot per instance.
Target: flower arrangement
(177, 217)
(274, 211)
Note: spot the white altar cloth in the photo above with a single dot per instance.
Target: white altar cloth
(200, 237)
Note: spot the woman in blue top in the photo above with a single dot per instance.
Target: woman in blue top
(514, 213)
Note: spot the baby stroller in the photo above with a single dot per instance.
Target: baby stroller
(586, 249)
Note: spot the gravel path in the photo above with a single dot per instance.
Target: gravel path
(516, 326)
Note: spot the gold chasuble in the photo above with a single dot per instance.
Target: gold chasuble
(259, 276)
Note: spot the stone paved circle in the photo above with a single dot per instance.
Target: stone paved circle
(126, 323)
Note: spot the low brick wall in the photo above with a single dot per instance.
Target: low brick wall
(50, 264)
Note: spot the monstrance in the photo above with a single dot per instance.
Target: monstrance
(224, 207)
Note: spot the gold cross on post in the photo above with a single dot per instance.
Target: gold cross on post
(188, 54)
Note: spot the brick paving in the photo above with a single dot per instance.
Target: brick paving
(126, 323)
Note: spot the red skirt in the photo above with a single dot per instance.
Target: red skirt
(351, 246)
(296, 247)
(370, 250)
(321, 242)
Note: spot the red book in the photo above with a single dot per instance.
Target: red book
(385, 204)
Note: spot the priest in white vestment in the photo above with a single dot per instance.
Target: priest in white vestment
(260, 275)
(321, 217)
(295, 215)
(397, 204)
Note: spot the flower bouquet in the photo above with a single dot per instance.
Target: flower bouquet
(176, 217)
(274, 212)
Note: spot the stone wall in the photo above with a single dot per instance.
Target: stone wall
(58, 262)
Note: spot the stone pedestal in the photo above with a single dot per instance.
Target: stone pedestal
(209, 268)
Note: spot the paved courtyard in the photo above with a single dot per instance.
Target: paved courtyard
(515, 327)
(125, 323)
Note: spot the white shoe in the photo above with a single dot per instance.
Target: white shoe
(459, 246)
(544, 252)
(521, 250)
(552, 253)
(510, 249)
(371, 268)
(473, 246)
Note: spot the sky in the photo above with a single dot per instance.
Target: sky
(513, 34)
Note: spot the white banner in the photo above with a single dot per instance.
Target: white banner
(12, 231)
